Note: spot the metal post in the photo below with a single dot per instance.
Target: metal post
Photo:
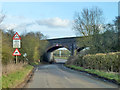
(16, 59)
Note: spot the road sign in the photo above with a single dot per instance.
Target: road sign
(25, 54)
(16, 52)
(16, 41)
(57, 45)
(16, 36)
(16, 44)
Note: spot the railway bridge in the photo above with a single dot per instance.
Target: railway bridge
(69, 42)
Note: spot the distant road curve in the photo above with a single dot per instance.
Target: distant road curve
(60, 60)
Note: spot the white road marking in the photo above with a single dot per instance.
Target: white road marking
(68, 79)
(37, 69)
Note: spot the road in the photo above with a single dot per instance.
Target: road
(62, 61)
(58, 76)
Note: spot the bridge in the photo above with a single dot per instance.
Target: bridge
(69, 42)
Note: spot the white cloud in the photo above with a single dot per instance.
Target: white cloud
(8, 26)
(22, 24)
(17, 19)
(54, 22)
(16, 22)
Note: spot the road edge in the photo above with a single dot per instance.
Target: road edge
(95, 75)
(27, 79)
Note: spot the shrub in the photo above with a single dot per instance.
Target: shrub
(107, 62)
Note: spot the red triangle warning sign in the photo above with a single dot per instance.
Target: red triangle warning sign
(16, 36)
(16, 52)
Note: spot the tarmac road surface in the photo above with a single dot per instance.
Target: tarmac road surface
(58, 76)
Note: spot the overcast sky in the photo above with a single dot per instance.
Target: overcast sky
(53, 19)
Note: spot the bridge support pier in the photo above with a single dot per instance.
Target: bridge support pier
(72, 50)
(48, 56)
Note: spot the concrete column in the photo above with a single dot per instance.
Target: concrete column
(59, 53)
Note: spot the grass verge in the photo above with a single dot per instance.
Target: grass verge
(13, 79)
(108, 75)
(0, 83)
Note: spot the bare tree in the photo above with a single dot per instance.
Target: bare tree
(117, 24)
(2, 16)
(88, 23)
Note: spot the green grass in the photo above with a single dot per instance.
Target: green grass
(60, 57)
(0, 83)
(109, 75)
(15, 78)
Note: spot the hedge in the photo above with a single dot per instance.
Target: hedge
(106, 62)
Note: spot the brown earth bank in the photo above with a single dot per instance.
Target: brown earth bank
(12, 67)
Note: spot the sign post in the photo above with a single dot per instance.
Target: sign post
(16, 44)
(16, 59)
(16, 53)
